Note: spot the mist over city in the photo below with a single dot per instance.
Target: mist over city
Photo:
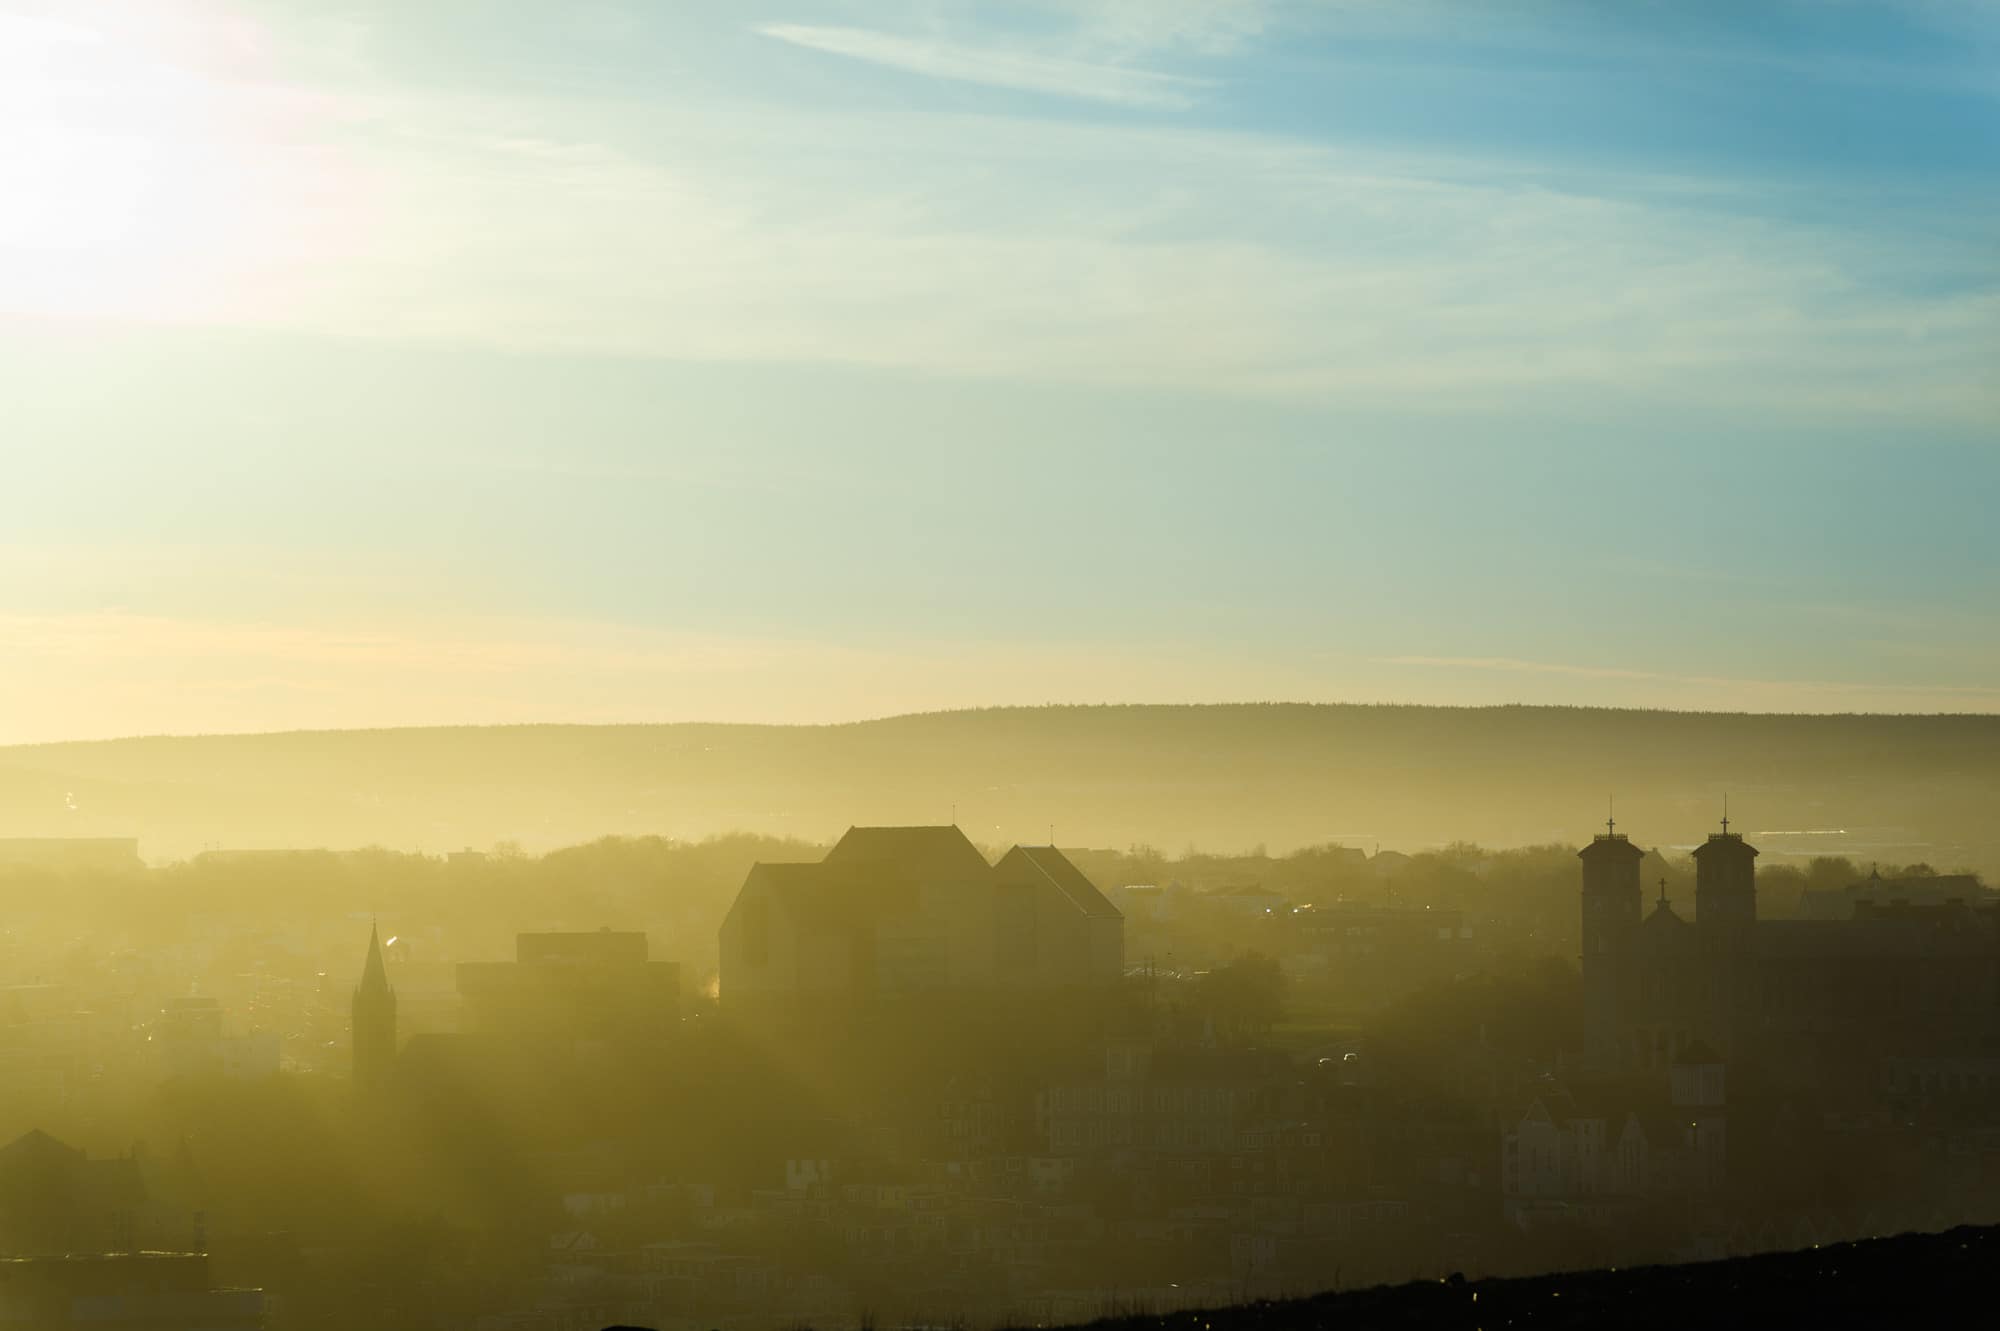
(943, 665)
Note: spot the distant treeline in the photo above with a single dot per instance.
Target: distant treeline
(677, 891)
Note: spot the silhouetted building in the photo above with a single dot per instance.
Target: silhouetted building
(188, 1036)
(1698, 1084)
(374, 1021)
(54, 1198)
(1052, 925)
(573, 987)
(1178, 1102)
(1371, 955)
(1909, 891)
(1612, 902)
(1252, 899)
(189, 1041)
(1801, 997)
(903, 910)
(156, 1291)
(1592, 1156)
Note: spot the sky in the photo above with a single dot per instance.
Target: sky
(365, 363)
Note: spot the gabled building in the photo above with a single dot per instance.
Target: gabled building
(1054, 926)
(907, 910)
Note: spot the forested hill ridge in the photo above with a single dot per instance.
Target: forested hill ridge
(1900, 788)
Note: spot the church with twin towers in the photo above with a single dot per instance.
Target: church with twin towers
(1894, 982)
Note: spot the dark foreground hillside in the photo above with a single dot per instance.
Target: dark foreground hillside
(1909, 1280)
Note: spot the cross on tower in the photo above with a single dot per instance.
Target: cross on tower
(1663, 891)
(1725, 815)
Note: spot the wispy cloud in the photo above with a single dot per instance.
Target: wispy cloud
(996, 67)
(1202, 27)
(1136, 254)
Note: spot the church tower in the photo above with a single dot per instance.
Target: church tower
(1612, 901)
(374, 1022)
(1725, 883)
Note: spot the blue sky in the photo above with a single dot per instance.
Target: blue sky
(382, 364)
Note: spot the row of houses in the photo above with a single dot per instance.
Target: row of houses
(1572, 1155)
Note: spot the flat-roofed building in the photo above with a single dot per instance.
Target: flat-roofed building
(596, 986)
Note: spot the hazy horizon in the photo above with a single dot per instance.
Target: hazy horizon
(866, 719)
(1219, 777)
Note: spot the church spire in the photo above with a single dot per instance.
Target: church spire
(374, 1025)
(374, 976)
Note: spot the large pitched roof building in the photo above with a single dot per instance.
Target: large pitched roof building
(902, 910)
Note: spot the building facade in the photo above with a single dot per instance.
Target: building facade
(907, 910)
(583, 988)
(1799, 996)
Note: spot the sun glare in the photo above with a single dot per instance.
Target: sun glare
(136, 184)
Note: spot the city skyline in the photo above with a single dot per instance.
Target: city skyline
(998, 663)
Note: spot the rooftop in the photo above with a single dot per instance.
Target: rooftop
(1615, 845)
(936, 852)
(1054, 867)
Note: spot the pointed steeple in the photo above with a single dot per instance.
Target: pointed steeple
(374, 1027)
(374, 976)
